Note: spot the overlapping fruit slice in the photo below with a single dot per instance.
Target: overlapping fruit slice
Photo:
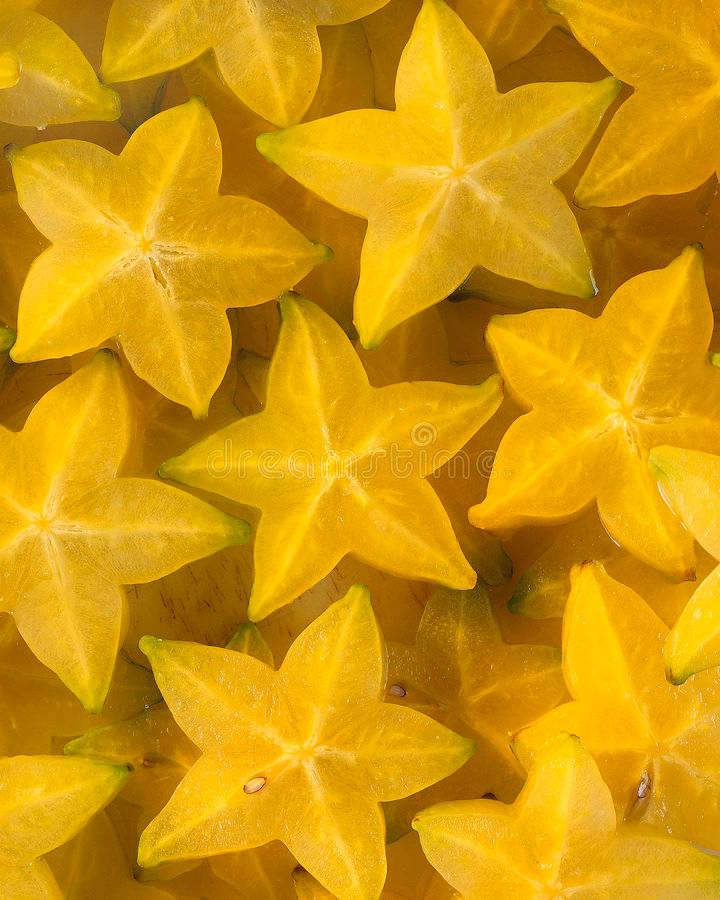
(94, 865)
(603, 392)
(37, 712)
(268, 52)
(441, 192)
(44, 802)
(44, 76)
(560, 839)
(507, 30)
(462, 673)
(304, 754)
(690, 481)
(660, 140)
(71, 532)
(656, 744)
(346, 83)
(338, 467)
(160, 755)
(163, 256)
(543, 589)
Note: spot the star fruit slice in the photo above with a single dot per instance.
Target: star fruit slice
(441, 193)
(44, 802)
(661, 140)
(72, 532)
(307, 750)
(163, 255)
(338, 467)
(602, 393)
(656, 743)
(462, 673)
(44, 76)
(160, 754)
(559, 838)
(268, 52)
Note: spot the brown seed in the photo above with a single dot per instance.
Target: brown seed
(644, 786)
(397, 690)
(255, 784)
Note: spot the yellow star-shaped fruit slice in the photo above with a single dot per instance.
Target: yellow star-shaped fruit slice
(602, 393)
(268, 52)
(560, 839)
(44, 802)
(661, 139)
(72, 532)
(656, 743)
(337, 466)
(462, 673)
(304, 754)
(44, 76)
(690, 481)
(160, 755)
(162, 255)
(442, 192)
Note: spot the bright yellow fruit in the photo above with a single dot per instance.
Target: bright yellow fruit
(560, 839)
(602, 393)
(441, 192)
(304, 754)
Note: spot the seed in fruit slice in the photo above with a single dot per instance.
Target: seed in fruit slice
(656, 743)
(560, 838)
(441, 196)
(163, 257)
(602, 393)
(316, 730)
(72, 532)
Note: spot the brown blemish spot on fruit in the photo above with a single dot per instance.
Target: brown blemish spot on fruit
(397, 690)
(255, 784)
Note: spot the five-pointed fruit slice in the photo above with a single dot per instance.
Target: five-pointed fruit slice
(690, 481)
(44, 802)
(462, 673)
(163, 256)
(603, 392)
(160, 755)
(662, 139)
(44, 77)
(441, 193)
(267, 52)
(304, 755)
(560, 839)
(337, 466)
(71, 532)
(656, 744)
